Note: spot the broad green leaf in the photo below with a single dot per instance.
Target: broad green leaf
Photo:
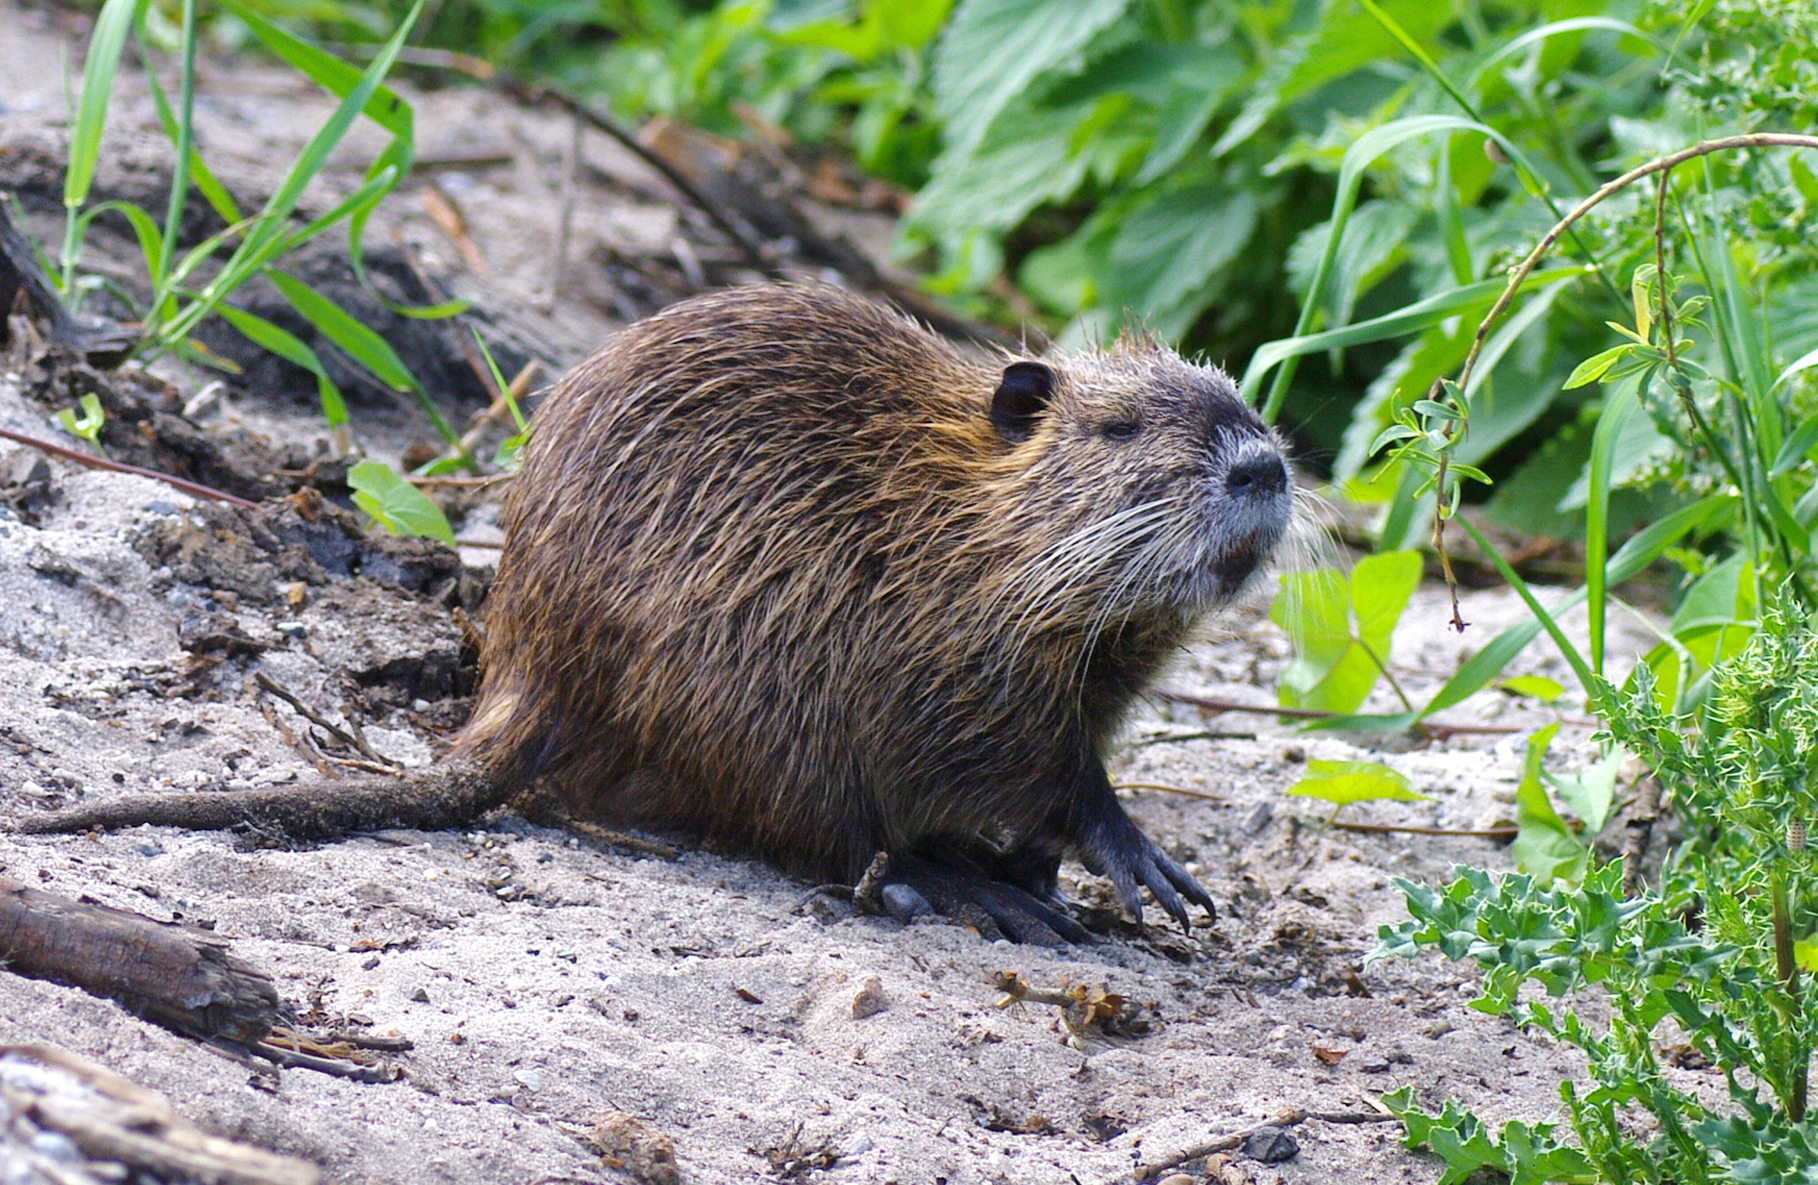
(1544, 846)
(1380, 587)
(1372, 247)
(1344, 782)
(1348, 39)
(1169, 249)
(397, 505)
(1538, 686)
(993, 49)
(1024, 162)
(1592, 793)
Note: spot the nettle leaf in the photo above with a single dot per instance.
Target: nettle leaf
(1168, 250)
(1371, 249)
(397, 505)
(1025, 161)
(1343, 782)
(993, 49)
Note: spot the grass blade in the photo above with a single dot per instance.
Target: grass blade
(104, 48)
(1368, 148)
(1408, 319)
(1586, 678)
(288, 346)
(185, 143)
(1619, 404)
(266, 239)
(362, 344)
(212, 191)
(338, 326)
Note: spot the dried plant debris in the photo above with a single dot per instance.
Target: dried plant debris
(1091, 1014)
(796, 1158)
(67, 1121)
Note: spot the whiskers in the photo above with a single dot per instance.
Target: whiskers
(1096, 562)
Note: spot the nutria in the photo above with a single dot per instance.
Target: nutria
(786, 571)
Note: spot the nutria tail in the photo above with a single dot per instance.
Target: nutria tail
(440, 796)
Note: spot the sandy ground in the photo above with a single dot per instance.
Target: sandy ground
(544, 979)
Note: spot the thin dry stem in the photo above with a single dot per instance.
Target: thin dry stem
(1519, 275)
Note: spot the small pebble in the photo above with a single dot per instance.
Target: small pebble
(869, 999)
(1271, 1145)
(530, 1079)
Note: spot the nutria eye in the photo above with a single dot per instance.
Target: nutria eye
(1121, 429)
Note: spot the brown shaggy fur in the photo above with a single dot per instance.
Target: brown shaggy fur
(774, 577)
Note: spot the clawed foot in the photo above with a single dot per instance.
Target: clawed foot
(1110, 845)
(915, 887)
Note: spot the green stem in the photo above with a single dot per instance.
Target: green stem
(1786, 964)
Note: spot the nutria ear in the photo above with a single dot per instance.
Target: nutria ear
(1021, 395)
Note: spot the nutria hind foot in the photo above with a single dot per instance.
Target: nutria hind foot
(431, 799)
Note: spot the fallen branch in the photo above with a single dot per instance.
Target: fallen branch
(112, 1118)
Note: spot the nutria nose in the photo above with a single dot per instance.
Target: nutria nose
(1256, 473)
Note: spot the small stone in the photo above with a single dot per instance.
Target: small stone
(529, 1079)
(627, 1142)
(855, 1144)
(1176, 1179)
(421, 996)
(869, 999)
(292, 629)
(372, 963)
(1271, 1145)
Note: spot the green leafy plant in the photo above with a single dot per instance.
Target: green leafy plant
(1712, 958)
(1342, 783)
(88, 425)
(187, 285)
(1341, 627)
(395, 504)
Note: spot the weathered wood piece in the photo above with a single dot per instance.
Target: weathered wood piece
(112, 1118)
(173, 975)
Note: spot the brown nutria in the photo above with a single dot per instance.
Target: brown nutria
(786, 571)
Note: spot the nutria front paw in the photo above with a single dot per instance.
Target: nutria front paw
(1109, 844)
(915, 887)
